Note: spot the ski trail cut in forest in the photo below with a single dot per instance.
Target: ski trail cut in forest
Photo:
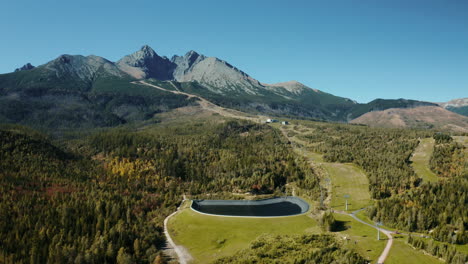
(345, 179)
(339, 178)
(420, 159)
(205, 104)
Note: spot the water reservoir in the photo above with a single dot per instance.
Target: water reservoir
(283, 206)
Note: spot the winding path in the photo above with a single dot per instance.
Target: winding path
(183, 255)
(387, 232)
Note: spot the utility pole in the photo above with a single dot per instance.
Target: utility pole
(322, 193)
(346, 196)
(321, 197)
(378, 229)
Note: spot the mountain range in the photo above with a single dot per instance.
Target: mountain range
(74, 91)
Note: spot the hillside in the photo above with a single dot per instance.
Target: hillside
(74, 91)
(427, 117)
(383, 104)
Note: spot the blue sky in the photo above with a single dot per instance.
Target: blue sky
(360, 49)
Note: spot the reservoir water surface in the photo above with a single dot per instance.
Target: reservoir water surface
(283, 206)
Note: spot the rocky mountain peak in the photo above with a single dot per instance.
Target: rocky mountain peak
(192, 54)
(146, 63)
(27, 66)
(148, 51)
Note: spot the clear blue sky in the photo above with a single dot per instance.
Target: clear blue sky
(360, 49)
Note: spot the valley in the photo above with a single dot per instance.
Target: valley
(96, 157)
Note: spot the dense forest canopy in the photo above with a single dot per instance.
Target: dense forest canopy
(107, 202)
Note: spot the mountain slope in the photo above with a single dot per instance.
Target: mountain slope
(459, 106)
(78, 92)
(75, 91)
(432, 117)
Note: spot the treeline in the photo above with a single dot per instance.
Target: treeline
(440, 250)
(106, 202)
(382, 153)
(295, 249)
(448, 158)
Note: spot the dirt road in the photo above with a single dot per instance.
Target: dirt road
(182, 253)
(205, 104)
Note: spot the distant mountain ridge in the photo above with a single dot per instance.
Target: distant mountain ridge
(383, 104)
(423, 117)
(459, 106)
(90, 91)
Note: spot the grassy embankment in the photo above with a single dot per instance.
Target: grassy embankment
(210, 237)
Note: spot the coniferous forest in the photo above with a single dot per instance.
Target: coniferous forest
(103, 198)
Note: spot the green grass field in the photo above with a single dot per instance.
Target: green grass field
(351, 180)
(420, 159)
(402, 253)
(210, 237)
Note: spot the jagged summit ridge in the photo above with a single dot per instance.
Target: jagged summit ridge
(185, 63)
(218, 75)
(27, 66)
